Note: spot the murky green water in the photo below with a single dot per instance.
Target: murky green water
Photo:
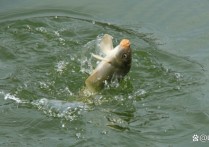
(45, 53)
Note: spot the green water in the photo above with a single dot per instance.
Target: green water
(45, 55)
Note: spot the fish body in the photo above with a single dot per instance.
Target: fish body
(116, 63)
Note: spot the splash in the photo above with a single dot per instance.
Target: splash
(60, 109)
(9, 96)
(61, 66)
(53, 108)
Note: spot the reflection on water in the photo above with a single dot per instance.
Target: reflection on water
(44, 65)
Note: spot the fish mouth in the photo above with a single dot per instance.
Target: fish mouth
(125, 44)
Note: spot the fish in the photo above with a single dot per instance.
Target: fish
(115, 65)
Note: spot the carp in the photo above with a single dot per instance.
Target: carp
(115, 65)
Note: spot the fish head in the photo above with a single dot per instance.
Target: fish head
(123, 55)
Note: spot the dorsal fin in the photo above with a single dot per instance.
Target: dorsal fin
(106, 44)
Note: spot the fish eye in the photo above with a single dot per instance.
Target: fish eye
(125, 55)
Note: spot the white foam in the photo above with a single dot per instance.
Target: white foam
(60, 66)
(12, 97)
(41, 29)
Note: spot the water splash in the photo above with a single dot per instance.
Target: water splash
(61, 109)
(61, 66)
(12, 97)
(41, 29)
(53, 108)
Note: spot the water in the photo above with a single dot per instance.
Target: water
(45, 53)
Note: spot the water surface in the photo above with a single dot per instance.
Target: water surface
(45, 54)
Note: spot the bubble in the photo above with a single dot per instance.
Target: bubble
(57, 33)
(60, 66)
(28, 27)
(177, 87)
(43, 101)
(67, 90)
(72, 58)
(12, 97)
(62, 40)
(41, 29)
(43, 85)
(78, 135)
(86, 66)
(178, 75)
(140, 92)
(104, 132)
(90, 121)
(130, 97)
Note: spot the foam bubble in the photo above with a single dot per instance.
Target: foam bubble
(60, 66)
(9, 96)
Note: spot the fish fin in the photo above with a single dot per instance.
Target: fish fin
(106, 44)
(100, 58)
